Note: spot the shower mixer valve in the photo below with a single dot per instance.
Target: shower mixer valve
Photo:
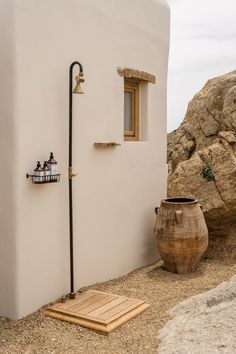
(71, 173)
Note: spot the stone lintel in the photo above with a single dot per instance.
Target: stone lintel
(136, 74)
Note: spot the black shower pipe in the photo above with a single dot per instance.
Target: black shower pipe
(70, 171)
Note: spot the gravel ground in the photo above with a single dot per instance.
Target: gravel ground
(39, 334)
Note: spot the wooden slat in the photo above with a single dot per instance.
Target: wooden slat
(79, 298)
(76, 315)
(107, 307)
(97, 305)
(99, 327)
(118, 310)
(126, 317)
(97, 310)
(87, 302)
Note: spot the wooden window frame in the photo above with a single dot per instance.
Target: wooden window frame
(133, 87)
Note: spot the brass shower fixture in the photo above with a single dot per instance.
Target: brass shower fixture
(79, 78)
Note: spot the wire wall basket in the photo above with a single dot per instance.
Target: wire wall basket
(44, 179)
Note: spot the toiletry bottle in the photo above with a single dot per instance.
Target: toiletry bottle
(52, 165)
(46, 171)
(38, 173)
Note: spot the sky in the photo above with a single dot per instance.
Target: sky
(203, 45)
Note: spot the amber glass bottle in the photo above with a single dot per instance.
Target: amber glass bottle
(38, 173)
(52, 165)
(46, 172)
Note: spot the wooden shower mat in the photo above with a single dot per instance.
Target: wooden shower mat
(97, 310)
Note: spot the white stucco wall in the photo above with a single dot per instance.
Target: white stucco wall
(117, 189)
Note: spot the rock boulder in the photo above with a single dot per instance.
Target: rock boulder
(202, 154)
(203, 324)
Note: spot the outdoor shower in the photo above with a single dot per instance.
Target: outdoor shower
(79, 78)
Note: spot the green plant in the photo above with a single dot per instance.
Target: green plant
(207, 172)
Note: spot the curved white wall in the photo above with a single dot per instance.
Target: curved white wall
(117, 189)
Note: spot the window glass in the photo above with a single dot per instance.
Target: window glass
(128, 111)
(131, 110)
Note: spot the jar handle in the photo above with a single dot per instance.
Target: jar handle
(156, 212)
(178, 216)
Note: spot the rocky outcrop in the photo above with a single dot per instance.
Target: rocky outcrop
(211, 111)
(218, 194)
(203, 324)
(202, 155)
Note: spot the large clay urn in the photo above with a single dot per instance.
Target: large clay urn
(181, 234)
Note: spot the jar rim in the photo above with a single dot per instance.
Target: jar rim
(180, 200)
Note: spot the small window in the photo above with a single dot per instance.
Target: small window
(131, 110)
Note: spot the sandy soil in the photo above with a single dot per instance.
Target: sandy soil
(40, 334)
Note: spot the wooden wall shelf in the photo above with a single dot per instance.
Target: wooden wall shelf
(106, 144)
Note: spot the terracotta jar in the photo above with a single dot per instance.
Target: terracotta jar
(181, 234)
